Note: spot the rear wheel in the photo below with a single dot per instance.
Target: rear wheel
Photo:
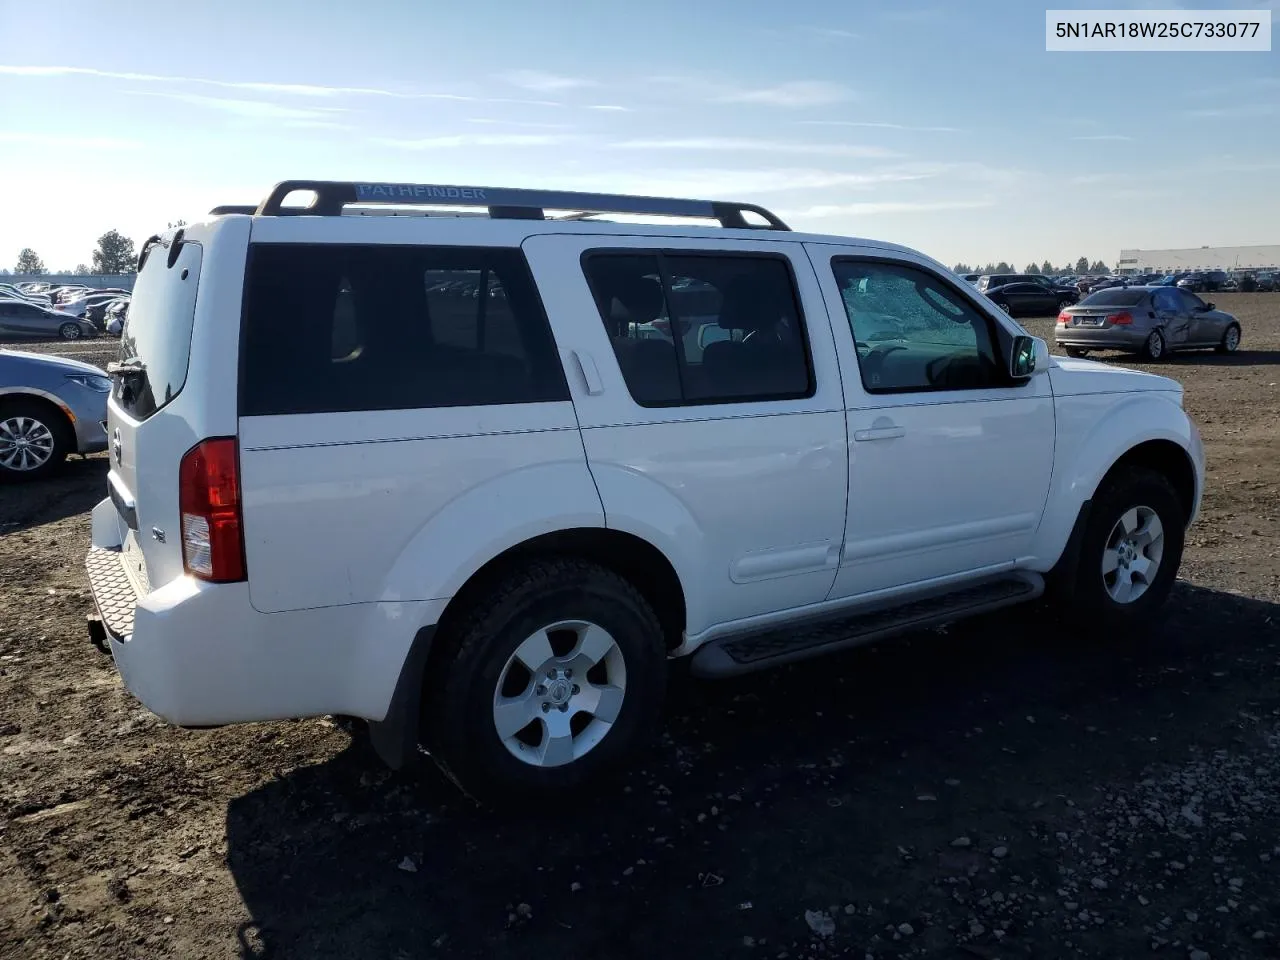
(34, 439)
(548, 682)
(1076, 352)
(1230, 339)
(70, 331)
(1005, 307)
(1154, 348)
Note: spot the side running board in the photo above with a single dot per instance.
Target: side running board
(737, 655)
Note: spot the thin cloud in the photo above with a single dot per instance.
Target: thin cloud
(876, 207)
(294, 89)
(730, 144)
(1104, 136)
(830, 33)
(609, 107)
(522, 124)
(475, 140)
(248, 109)
(795, 93)
(539, 81)
(919, 15)
(1237, 111)
(68, 140)
(727, 183)
(877, 126)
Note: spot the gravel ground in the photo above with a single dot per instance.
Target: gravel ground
(999, 788)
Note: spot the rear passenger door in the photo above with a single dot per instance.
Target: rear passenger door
(705, 382)
(949, 461)
(381, 386)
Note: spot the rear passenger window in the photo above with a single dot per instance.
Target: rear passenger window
(332, 327)
(702, 328)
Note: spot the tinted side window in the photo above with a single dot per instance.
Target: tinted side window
(694, 328)
(1190, 302)
(913, 332)
(332, 327)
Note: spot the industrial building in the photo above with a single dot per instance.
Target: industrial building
(1260, 257)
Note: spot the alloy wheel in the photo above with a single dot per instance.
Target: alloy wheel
(1132, 554)
(25, 444)
(559, 693)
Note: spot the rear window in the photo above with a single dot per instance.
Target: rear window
(331, 327)
(158, 329)
(1114, 297)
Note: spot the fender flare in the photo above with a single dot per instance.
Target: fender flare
(1076, 480)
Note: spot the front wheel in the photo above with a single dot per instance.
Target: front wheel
(1076, 352)
(1006, 308)
(70, 331)
(1230, 340)
(33, 441)
(1129, 553)
(551, 679)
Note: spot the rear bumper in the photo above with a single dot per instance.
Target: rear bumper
(1100, 338)
(199, 655)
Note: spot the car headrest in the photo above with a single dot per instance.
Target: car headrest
(625, 297)
(754, 302)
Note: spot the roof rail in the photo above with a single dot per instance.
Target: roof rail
(502, 202)
(231, 208)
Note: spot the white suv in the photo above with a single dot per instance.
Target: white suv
(477, 479)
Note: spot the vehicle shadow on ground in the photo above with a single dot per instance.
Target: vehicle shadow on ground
(842, 780)
(1241, 358)
(73, 490)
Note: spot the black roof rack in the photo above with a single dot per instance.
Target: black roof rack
(502, 202)
(231, 208)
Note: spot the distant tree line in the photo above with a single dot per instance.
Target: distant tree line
(1081, 267)
(115, 254)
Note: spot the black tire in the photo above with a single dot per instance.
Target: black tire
(70, 331)
(1064, 303)
(1229, 344)
(1155, 348)
(1006, 308)
(1083, 594)
(1076, 352)
(48, 417)
(465, 670)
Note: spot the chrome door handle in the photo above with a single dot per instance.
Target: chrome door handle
(879, 433)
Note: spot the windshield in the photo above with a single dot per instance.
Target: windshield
(1114, 297)
(157, 333)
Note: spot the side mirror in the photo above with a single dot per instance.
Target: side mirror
(1030, 355)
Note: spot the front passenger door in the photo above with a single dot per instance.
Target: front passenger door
(949, 460)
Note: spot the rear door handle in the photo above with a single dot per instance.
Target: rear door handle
(590, 374)
(879, 433)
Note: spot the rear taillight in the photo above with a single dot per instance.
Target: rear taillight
(1064, 317)
(1120, 319)
(209, 500)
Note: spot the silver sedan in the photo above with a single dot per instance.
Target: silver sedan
(49, 407)
(1152, 321)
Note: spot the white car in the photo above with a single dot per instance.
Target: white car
(487, 524)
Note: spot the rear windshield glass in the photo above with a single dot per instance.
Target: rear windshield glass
(1115, 297)
(157, 331)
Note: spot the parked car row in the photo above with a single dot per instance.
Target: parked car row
(70, 312)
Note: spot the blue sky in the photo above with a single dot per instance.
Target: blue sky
(945, 126)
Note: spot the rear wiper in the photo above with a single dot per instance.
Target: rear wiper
(127, 368)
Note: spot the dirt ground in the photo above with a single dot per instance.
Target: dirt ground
(1001, 788)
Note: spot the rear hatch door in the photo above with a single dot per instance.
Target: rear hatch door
(145, 444)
